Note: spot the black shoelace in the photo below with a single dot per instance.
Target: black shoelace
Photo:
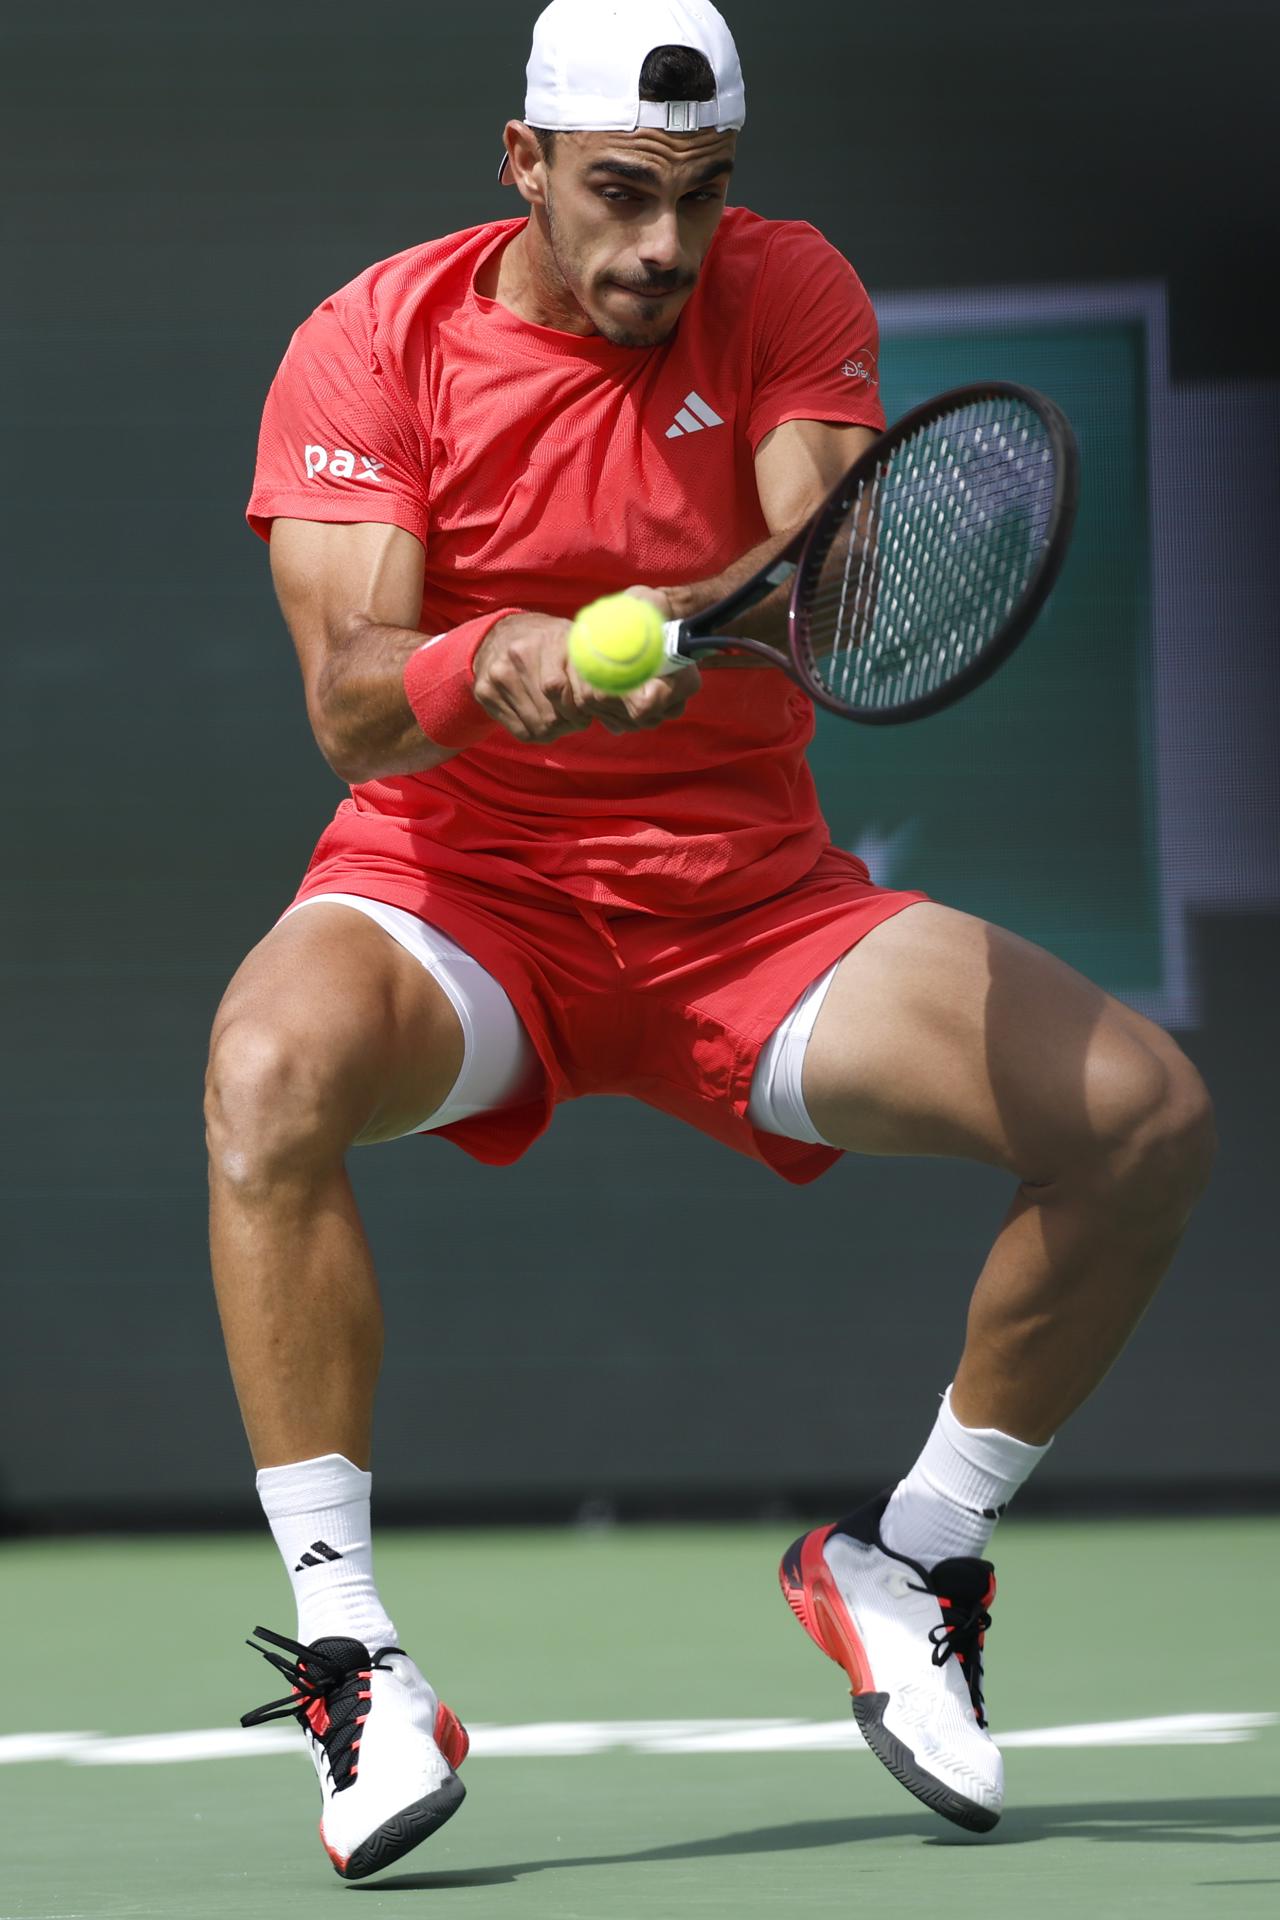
(960, 1633)
(326, 1697)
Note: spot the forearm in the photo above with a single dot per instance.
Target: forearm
(766, 621)
(359, 710)
(394, 701)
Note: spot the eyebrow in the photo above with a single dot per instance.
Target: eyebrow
(647, 177)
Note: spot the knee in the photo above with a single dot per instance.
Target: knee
(1159, 1137)
(270, 1107)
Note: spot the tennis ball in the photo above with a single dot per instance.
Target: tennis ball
(617, 643)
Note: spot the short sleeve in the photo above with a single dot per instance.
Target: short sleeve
(815, 340)
(338, 440)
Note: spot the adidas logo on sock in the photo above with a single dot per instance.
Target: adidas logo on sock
(693, 416)
(320, 1552)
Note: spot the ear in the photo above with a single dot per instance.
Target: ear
(526, 169)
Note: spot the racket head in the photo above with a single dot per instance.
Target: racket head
(931, 559)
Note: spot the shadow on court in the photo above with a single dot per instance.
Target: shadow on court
(1143, 1821)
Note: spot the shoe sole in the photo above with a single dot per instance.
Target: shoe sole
(810, 1590)
(416, 1823)
(396, 1837)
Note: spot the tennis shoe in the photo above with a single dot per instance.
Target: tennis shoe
(911, 1642)
(385, 1748)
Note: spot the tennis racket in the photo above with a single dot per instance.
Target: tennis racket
(925, 566)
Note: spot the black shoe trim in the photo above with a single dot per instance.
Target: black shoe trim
(864, 1524)
(868, 1711)
(329, 1670)
(408, 1828)
(791, 1563)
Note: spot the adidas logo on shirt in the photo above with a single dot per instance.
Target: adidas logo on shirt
(693, 416)
(320, 1551)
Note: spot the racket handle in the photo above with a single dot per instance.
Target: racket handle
(777, 575)
(672, 658)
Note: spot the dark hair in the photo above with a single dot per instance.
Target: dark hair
(669, 73)
(677, 73)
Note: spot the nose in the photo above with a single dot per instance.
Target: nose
(660, 242)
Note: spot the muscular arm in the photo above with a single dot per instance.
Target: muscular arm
(352, 598)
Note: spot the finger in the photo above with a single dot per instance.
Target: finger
(654, 597)
(544, 702)
(533, 731)
(662, 699)
(589, 699)
(610, 709)
(527, 718)
(526, 713)
(643, 715)
(625, 716)
(572, 714)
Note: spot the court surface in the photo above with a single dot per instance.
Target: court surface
(654, 1735)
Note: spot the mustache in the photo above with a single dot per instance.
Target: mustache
(656, 282)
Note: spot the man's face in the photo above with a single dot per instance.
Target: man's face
(629, 219)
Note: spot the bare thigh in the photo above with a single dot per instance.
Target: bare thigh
(342, 1031)
(942, 1034)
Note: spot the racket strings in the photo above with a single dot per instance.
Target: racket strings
(926, 563)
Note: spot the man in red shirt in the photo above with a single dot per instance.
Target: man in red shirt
(536, 891)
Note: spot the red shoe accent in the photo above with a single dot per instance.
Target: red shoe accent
(816, 1603)
(318, 1718)
(339, 1859)
(454, 1743)
(451, 1736)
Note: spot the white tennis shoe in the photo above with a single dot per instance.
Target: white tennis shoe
(385, 1748)
(911, 1641)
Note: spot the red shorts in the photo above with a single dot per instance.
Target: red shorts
(671, 1012)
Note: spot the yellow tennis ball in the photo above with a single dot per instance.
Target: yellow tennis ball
(617, 643)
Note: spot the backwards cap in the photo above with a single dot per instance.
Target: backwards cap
(584, 67)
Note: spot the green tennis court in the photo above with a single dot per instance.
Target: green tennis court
(654, 1736)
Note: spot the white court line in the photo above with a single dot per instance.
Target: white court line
(558, 1739)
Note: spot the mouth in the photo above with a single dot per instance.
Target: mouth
(653, 296)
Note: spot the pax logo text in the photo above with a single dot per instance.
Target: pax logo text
(341, 464)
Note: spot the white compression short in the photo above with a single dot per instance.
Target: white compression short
(499, 1064)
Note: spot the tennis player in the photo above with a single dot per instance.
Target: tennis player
(535, 891)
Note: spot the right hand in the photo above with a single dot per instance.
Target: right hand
(524, 681)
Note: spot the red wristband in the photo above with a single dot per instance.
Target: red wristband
(440, 686)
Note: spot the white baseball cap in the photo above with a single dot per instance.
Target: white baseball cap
(584, 67)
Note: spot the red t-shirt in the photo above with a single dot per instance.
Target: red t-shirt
(541, 469)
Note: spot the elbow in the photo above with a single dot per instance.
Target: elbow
(357, 760)
(344, 758)
(347, 768)
(343, 754)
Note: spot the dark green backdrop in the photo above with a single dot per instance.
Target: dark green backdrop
(183, 185)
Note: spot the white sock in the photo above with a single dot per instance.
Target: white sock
(319, 1514)
(948, 1505)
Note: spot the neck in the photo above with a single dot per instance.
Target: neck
(530, 284)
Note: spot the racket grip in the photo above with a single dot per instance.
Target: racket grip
(672, 658)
